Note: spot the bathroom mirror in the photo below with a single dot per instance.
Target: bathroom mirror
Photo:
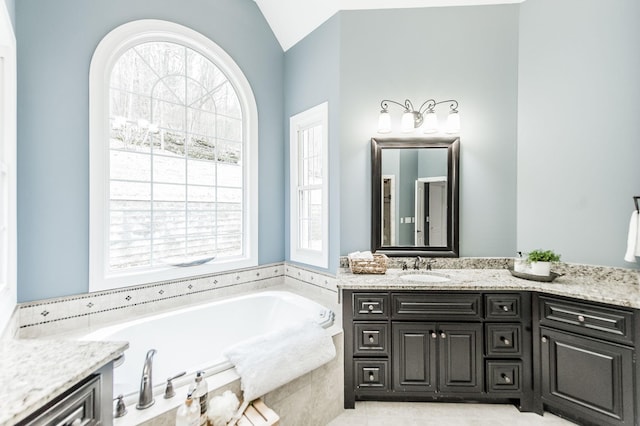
(414, 196)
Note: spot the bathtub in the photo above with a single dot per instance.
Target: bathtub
(194, 338)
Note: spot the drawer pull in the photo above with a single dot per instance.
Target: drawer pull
(580, 318)
(506, 378)
(544, 339)
(370, 338)
(434, 335)
(371, 377)
(370, 307)
(505, 308)
(505, 340)
(443, 335)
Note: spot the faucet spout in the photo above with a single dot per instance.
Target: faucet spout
(416, 264)
(145, 398)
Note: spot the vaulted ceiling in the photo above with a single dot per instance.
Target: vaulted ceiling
(292, 20)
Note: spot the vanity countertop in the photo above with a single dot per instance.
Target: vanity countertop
(599, 289)
(34, 372)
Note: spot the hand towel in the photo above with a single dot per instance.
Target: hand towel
(267, 362)
(633, 239)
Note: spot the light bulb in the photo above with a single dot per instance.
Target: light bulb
(384, 122)
(453, 122)
(408, 122)
(430, 122)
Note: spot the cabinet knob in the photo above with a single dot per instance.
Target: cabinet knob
(434, 335)
(506, 341)
(544, 339)
(443, 335)
(506, 378)
(580, 318)
(371, 377)
(505, 308)
(371, 307)
(370, 338)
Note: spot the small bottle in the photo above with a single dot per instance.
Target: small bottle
(200, 392)
(188, 413)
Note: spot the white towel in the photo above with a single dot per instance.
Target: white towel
(267, 362)
(633, 239)
(360, 255)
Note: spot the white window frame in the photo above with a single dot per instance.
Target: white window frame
(112, 46)
(318, 115)
(8, 166)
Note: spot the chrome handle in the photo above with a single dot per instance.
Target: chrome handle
(506, 341)
(371, 377)
(371, 307)
(580, 318)
(505, 308)
(370, 338)
(443, 335)
(544, 339)
(506, 378)
(434, 335)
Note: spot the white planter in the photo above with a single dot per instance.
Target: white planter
(541, 268)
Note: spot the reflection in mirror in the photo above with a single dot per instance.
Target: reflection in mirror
(415, 196)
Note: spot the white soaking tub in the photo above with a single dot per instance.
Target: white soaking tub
(194, 338)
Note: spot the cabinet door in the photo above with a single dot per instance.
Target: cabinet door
(460, 357)
(414, 356)
(588, 377)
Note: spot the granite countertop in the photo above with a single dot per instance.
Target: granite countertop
(34, 372)
(602, 289)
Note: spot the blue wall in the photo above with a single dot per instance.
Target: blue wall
(578, 127)
(312, 76)
(56, 40)
(466, 53)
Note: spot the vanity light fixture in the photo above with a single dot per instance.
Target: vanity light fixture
(424, 116)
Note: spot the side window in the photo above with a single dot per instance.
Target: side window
(309, 186)
(177, 181)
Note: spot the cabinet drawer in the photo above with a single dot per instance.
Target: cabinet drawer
(503, 376)
(586, 319)
(442, 307)
(503, 306)
(370, 306)
(503, 340)
(371, 375)
(371, 339)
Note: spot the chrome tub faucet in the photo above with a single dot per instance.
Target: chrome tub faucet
(145, 398)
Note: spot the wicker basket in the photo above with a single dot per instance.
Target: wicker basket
(376, 266)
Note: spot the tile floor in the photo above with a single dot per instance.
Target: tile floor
(441, 414)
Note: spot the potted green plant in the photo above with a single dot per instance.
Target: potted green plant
(540, 261)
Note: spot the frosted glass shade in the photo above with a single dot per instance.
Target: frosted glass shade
(430, 122)
(407, 122)
(453, 122)
(384, 122)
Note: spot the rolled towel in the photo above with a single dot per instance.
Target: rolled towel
(633, 239)
(267, 362)
(361, 255)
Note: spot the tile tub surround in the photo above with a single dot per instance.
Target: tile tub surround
(610, 289)
(34, 372)
(314, 399)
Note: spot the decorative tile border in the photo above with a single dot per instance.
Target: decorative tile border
(69, 313)
(297, 273)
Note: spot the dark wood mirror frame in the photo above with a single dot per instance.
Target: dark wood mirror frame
(452, 144)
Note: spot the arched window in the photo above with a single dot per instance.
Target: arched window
(173, 158)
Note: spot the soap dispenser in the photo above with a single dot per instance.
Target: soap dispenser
(200, 391)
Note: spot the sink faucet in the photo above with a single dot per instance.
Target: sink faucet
(416, 264)
(145, 399)
(428, 264)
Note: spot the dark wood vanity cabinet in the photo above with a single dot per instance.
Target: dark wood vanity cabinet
(422, 346)
(587, 360)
